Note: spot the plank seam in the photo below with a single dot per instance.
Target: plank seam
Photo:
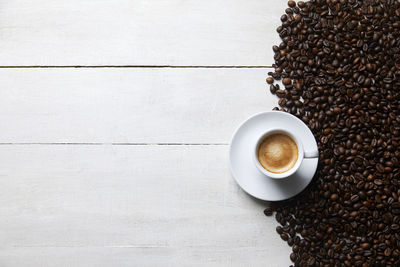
(128, 246)
(118, 144)
(135, 66)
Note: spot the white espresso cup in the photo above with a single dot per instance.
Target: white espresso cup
(302, 153)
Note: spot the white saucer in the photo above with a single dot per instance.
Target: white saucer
(246, 174)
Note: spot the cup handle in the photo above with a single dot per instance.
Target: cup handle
(311, 154)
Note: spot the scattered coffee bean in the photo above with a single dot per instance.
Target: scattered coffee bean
(268, 211)
(339, 64)
(293, 257)
(270, 80)
(279, 229)
(291, 3)
(284, 237)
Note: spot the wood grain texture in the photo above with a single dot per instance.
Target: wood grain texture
(139, 32)
(146, 257)
(129, 206)
(129, 105)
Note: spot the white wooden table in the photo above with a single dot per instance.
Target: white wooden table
(116, 117)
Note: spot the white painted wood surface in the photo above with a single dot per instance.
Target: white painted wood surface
(105, 205)
(129, 166)
(129, 105)
(138, 32)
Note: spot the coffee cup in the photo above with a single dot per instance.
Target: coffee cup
(278, 153)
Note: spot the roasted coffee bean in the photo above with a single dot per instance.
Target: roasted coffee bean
(270, 80)
(365, 245)
(272, 88)
(293, 257)
(284, 237)
(396, 205)
(280, 93)
(291, 3)
(268, 211)
(334, 197)
(311, 261)
(282, 102)
(395, 227)
(387, 252)
(279, 229)
(338, 62)
(286, 81)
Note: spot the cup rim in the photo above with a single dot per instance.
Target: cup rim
(288, 173)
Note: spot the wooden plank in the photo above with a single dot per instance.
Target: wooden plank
(146, 257)
(103, 205)
(139, 32)
(166, 105)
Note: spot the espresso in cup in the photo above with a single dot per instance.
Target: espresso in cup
(278, 153)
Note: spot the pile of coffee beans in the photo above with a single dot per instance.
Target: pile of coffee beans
(339, 66)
